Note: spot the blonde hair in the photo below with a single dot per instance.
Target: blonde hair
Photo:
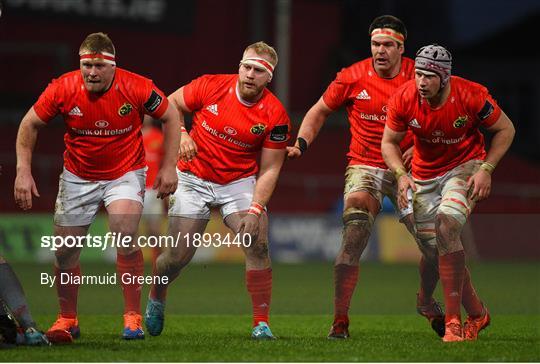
(263, 48)
(97, 43)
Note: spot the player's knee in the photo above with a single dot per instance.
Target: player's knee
(430, 253)
(448, 230)
(357, 228)
(360, 217)
(66, 257)
(448, 227)
(125, 224)
(168, 263)
(259, 249)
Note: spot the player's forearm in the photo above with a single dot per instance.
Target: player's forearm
(267, 178)
(171, 141)
(390, 149)
(266, 183)
(392, 156)
(500, 143)
(26, 141)
(313, 121)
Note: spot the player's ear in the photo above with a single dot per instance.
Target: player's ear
(401, 48)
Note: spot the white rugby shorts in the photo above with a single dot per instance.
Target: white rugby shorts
(78, 200)
(446, 194)
(153, 206)
(194, 196)
(377, 182)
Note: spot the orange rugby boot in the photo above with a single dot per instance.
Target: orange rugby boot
(474, 325)
(453, 330)
(132, 326)
(64, 330)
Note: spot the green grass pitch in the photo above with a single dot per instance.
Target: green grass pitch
(208, 317)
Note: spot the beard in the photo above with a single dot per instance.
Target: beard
(249, 93)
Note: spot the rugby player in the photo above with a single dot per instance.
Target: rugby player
(13, 303)
(451, 170)
(234, 118)
(364, 89)
(102, 107)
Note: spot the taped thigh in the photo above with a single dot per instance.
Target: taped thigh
(454, 203)
(426, 236)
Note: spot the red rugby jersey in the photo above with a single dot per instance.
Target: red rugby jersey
(365, 96)
(228, 132)
(153, 149)
(447, 136)
(103, 137)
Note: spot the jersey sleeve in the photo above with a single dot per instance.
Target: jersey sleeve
(279, 135)
(154, 101)
(196, 91)
(48, 104)
(337, 92)
(486, 109)
(396, 118)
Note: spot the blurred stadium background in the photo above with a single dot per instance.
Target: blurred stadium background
(173, 42)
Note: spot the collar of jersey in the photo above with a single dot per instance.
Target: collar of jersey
(241, 100)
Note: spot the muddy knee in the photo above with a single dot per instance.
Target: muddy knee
(357, 224)
(258, 250)
(448, 230)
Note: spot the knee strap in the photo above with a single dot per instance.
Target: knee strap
(356, 216)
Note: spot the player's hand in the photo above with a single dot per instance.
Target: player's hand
(25, 187)
(166, 182)
(479, 185)
(249, 225)
(188, 148)
(405, 183)
(407, 158)
(293, 153)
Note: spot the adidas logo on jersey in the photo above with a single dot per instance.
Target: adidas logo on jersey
(75, 111)
(363, 95)
(213, 109)
(414, 123)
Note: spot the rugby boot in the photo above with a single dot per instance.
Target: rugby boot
(339, 329)
(154, 317)
(474, 325)
(64, 330)
(453, 330)
(132, 326)
(433, 313)
(33, 337)
(262, 332)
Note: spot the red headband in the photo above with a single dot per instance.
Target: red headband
(261, 62)
(390, 33)
(104, 56)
